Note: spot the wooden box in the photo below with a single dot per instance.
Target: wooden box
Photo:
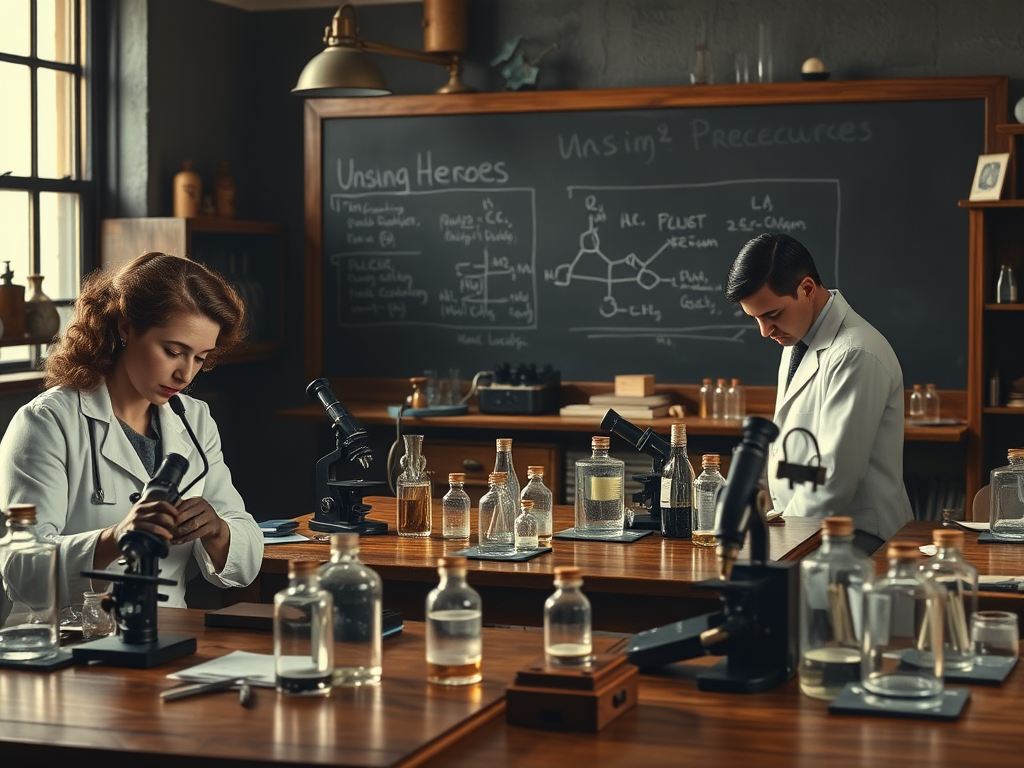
(634, 385)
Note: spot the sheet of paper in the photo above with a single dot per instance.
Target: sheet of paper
(971, 525)
(295, 538)
(995, 579)
(257, 667)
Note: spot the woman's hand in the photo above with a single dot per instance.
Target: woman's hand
(155, 517)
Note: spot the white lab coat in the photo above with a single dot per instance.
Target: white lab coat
(848, 391)
(46, 460)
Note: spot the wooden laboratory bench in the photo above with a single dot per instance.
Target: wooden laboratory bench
(634, 586)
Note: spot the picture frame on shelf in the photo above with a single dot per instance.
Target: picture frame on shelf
(990, 176)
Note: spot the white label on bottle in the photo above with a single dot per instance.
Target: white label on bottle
(605, 488)
(666, 491)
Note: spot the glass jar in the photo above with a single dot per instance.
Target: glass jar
(503, 463)
(97, 622)
(455, 508)
(677, 489)
(414, 491)
(705, 496)
(356, 594)
(718, 409)
(600, 505)
(567, 619)
(832, 583)
(303, 633)
(496, 525)
(903, 617)
(526, 528)
(706, 391)
(932, 411)
(735, 401)
(960, 580)
(916, 404)
(454, 620)
(29, 566)
(1006, 516)
(541, 497)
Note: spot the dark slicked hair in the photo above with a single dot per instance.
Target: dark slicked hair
(778, 261)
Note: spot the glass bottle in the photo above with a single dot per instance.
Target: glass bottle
(735, 401)
(356, 594)
(455, 508)
(1006, 288)
(600, 506)
(526, 528)
(567, 640)
(303, 633)
(414, 491)
(29, 568)
(497, 521)
(706, 390)
(718, 400)
(917, 404)
(903, 614)
(96, 620)
(705, 496)
(503, 463)
(454, 620)
(832, 583)
(677, 489)
(931, 403)
(960, 580)
(541, 497)
(1006, 515)
(224, 192)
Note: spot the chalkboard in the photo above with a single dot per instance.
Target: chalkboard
(595, 230)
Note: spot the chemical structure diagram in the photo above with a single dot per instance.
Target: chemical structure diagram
(478, 298)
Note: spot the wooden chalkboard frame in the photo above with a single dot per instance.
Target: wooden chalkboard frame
(992, 90)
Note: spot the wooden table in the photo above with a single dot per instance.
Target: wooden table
(631, 586)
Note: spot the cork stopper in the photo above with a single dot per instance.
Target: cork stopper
(526, 504)
(345, 542)
(736, 382)
(721, 382)
(678, 433)
(711, 460)
(837, 526)
(298, 567)
(498, 478)
(1015, 454)
(451, 561)
(535, 471)
(948, 537)
(917, 387)
(706, 381)
(903, 551)
(929, 386)
(456, 477)
(600, 443)
(22, 513)
(504, 443)
(568, 573)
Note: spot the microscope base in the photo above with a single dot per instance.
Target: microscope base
(646, 522)
(111, 650)
(719, 679)
(366, 528)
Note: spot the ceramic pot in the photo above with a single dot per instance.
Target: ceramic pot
(188, 191)
(41, 317)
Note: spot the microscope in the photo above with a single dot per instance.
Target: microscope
(339, 507)
(658, 448)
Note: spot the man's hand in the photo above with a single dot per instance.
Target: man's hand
(196, 519)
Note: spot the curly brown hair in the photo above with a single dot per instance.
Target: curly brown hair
(145, 292)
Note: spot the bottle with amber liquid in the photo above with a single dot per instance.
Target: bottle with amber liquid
(454, 614)
(188, 191)
(705, 496)
(567, 621)
(224, 192)
(414, 491)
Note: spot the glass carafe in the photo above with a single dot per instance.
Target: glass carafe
(414, 491)
(454, 621)
(567, 619)
(28, 563)
(303, 633)
(455, 508)
(600, 508)
(541, 497)
(705, 496)
(1006, 516)
(960, 580)
(497, 517)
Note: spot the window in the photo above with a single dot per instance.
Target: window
(46, 193)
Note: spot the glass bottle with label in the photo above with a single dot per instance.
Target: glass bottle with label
(414, 491)
(706, 392)
(356, 593)
(705, 496)
(960, 580)
(454, 619)
(29, 565)
(600, 506)
(932, 411)
(541, 497)
(526, 528)
(718, 400)
(677, 489)
(455, 508)
(1006, 287)
(303, 633)
(832, 583)
(916, 410)
(567, 619)
(497, 517)
(1006, 517)
(503, 463)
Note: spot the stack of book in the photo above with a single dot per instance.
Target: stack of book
(628, 407)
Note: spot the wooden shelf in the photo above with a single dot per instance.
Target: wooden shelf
(1004, 410)
(1012, 128)
(978, 204)
(1015, 307)
(25, 341)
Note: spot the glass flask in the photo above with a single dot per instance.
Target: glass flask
(414, 491)
(916, 410)
(503, 463)
(960, 580)
(1006, 287)
(356, 594)
(832, 583)
(677, 489)
(497, 520)
(931, 403)
(29, 568)
(903, 612)
(567, 640)
(705, 496)
(303, 633)
(600, 507)
(718, 400)
(541, 497)
(526, 528)
(735, 400)
(454, 620)
(706, 391)
(1006, 515)
(96, 621)
(455, 508)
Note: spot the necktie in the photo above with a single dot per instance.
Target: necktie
(794, 360)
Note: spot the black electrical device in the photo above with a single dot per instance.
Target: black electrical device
(526, 389)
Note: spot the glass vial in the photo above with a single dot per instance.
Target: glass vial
(541, 497)
(29, 568)
(931, 403)
(916, 410)
(960, 580)
(567, 619)
(600, 506)
(455, 508)
(1006, 287)
(503, 463)
(303, 633)
(706, 390)
(705, 496)
(832, 583)
(414, 491)
(700, 70)
(526, 528)
(904, 617)
(454, 619)
(97, 622)
(1006, 515)
(764, 53)
(356, 593)
(718, 410)
(496, 525)
(677, 489)
(735, 401)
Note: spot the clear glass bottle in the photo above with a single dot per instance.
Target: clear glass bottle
(706, 390)
(503, 463)
(677, 489)
(1006, 515)
(567, 619)
(916, 410)
(932, 411)
(497, 520)
(356, 594)
(526, 528)
(1006, 287)
(97, 622)
(541, 497)
(455, 508)
(735, 401)
(28, 563)
(303, 633)
(414, 491)
(600, 505)
(832, 583)
(960, 580)
(718, 400)
(903, 616)
(705, 496)
(454, 620)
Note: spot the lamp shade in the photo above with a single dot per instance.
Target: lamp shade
(340, 71)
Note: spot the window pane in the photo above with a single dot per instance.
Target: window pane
(55, 30)
(59, 241)
(15, 27)
(56, 124)
(16, 124)
(14, 235)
